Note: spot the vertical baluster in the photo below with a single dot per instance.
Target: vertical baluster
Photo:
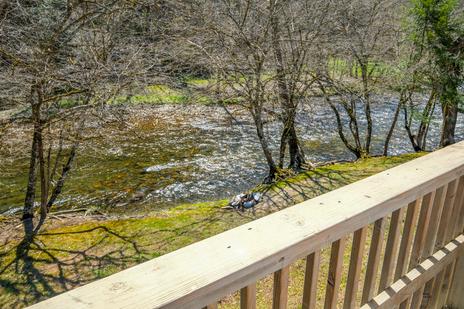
(447, 234)
(391, 249)
(445, 218)
(419, 241)
(435, 292)
(460, 226)
(444, 288)
(437, 211)
(280, 288)
(373, 260)
(310, 281)
(446, 215)
(431, 238)
(421, 231)
(456, 284)
(335, 274)
(248, 297)
(407, 238)
(417, 298)
(354, 272)
(457, 209)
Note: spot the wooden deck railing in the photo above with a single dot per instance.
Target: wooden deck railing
(410, 220)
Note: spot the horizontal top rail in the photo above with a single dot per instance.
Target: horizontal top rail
(203, 272)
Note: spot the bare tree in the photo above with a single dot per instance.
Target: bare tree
(260, 51)
(362, 34)
(236, 37)
(296, 28)
(408, 81)
(58, 58)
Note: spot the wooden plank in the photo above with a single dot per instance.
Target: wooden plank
(310, 282)
(391, 249)
(400, 290)
(460, 226)
(450, 231)
(456, 285)
(248, 297)
(436, 287)
(421, 231)
(354, 271)
(446, 214)
(335, 274)
(437, 210)
(427, 293)
(231, 260)
(406, 241)
(430, 241)
(437, 294)
(373, 260)
(458, 208)
(280, 297)
(444, 288)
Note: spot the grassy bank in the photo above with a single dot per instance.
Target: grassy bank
(65, 256)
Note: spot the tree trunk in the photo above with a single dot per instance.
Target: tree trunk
(264, 145)
(28, 210)
(393, 125)
(408, 123)
(297, 158)
(450, 114)
(367, 108)
(355, 150)
(425, 121)
(289, 135)
(58, 188)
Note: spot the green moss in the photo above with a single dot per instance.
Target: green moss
(199, 82)
(65, 257)
(323, 179)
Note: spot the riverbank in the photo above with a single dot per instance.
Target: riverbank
(76, 250)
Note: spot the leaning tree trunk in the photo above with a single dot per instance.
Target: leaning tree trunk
(28, 209)
(264, 145)
(450, 114)
(393, 125)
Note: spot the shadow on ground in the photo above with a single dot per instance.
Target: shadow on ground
(57, 261)
(308, 185)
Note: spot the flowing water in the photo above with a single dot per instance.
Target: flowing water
(171, 154)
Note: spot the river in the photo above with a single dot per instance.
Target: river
(170, 154)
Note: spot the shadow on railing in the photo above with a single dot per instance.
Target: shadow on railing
(396, 241)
